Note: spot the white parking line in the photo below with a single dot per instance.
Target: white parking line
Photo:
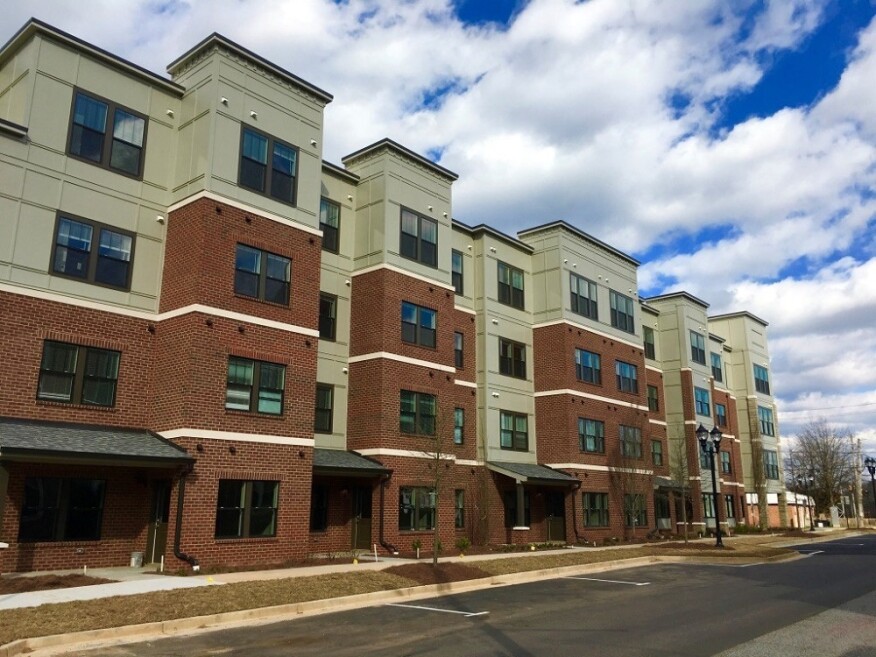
(467, 614)
(810, 554)
(610, 581)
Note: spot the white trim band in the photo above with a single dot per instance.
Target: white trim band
(403, 453)
(404, 272)
(587, 395)
(660, 422)
(597, 468)
(209, 434)
(467, 384)
(589, 329)
(401, 359)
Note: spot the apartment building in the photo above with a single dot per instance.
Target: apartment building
(222, 349)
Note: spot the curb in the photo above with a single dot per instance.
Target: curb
(91, 639)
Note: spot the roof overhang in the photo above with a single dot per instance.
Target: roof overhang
(532, 473)
(341, 463)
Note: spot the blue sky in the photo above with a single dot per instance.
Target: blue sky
(729, 145)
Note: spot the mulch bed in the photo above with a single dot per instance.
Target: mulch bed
(47, 583)
(699, 547)
(426, 573)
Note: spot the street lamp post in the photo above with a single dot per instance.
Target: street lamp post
(710, 442)
(810, 503)
(870, 462)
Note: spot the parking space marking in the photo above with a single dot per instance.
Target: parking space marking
(610, 581)
(810, 553)
(466, 614)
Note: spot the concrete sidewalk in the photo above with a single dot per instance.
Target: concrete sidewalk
(132, 581)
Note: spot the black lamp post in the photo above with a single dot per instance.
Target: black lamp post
(806, 482)
(870, 462)
(710, 442)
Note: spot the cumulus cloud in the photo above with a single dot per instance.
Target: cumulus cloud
(607, 114)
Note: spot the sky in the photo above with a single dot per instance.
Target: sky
(730, 145)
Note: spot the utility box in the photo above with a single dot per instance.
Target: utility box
(136, 559)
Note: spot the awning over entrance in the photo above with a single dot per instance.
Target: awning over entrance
(338, 462)
(531, 473)
(35, 441)
(666, 482)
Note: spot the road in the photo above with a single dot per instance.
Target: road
(823, 605)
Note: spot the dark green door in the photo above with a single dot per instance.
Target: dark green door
(361, 532)
(555, 516)
(156, 535)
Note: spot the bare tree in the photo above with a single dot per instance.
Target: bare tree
(679, 468)
(629, 480)
(822, 463)
(439, 468)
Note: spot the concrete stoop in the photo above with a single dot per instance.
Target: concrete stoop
(91, 639)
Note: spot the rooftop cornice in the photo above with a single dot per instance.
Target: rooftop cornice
(395, 147)
(577, 232)
(681, 294)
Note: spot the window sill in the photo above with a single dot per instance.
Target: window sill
(286, 305)
(90, 407)
(269, 416)
(246, 539)
(411, 532)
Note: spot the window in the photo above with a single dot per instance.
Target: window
(771, 464)
(583, 296)
(697, 348)
(56, 509)
(255, 386)
(325, 397)
(123, 151)
(78, 375)
(595, 507)
(419, 238)
(458, 426)
(458, 341)
(708, 505)
(513, 432)
(456, 267)
(261, 275)
(511, 509)
(729, 506)
(650, 344)
(656, 452)
(622, 315)
(417, 413)
(318, 508)
(587, 366)
(512, 358)
(720, 415)
(416, 509)
(246, 509)
(717, 368)
(459, 508)
(591, 435)
(330, 224)
(418, 324)
(761, 379)
(765, 416)
(627, 377)
(278, 181)
(635, 511)
(661, 505)
(701, 402)
(75, 254)
(510, 285)
(705, 461)
(725, 463)
(630, 441)
(653, 399)
(328, 315)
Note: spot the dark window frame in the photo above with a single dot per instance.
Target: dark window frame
(720, 415)
(702, 402)
(245, 511)
(630, 439)
(697, 347)
(624, 318)
(596, 439)
(512, 358)
(581, 304)
(319, 494)
(458, 425)
(415, 246)
(635, 509)
(323, 420)
(256, 386)
(762, 379)
(656, 452)
(93, 257)
(106, 150)
(421, 514)
(508, 293)
(766, 421)
(653, 396)
(458, 349)
(459, 508)
(262, 278)
(268, 183)
(331, 235)
(518, 440)
(457, 275)
(328, 323)
(626, 377)
(423, 422)
(79, 376)
(595, 509)
(591, 373)
(421, 334)
(650, 343)
(771, 464)
(726, 463)
(717, 367)
(62, 514)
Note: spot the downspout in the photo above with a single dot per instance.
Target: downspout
(576, 487)
(384, 479)
(180, 497)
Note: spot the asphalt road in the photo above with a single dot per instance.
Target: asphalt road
(823, 605)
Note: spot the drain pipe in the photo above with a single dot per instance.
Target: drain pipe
(575, 512)
(181, 493)
(384, 479)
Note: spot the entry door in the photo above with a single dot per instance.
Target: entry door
(555, 513)
(361, 532)
(156, 537)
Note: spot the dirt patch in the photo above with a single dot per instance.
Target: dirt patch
(699, 547)
(426, 573)
(47, 583)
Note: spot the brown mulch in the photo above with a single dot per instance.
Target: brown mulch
(47, 583)
(700, 547)
(426, 573)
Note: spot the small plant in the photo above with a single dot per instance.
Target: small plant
(416, 544)
(462, 544)
(438, 547)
